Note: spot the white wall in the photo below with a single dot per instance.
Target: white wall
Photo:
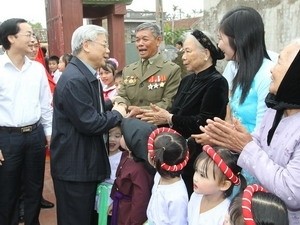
(281, 18)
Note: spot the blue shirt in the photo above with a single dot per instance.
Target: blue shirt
(251, 111)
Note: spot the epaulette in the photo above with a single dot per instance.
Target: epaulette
(171, 63)
(132, 64)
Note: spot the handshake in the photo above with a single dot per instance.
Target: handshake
(121, 107)
(124, 109)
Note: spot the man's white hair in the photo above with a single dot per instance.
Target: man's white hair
(84, 33)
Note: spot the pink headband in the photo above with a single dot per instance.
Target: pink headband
(115, 61)
(247, 202)
(221, 164)
(151, 151)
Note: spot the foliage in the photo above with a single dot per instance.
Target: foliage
(36, 26)
(171, 37)
(40, 32)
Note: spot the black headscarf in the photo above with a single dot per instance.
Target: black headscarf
(287, 96)
(215, 52)
(136, 133)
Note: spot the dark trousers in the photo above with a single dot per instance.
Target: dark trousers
(24, 155)
(75, 202)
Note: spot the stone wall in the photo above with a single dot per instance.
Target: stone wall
(281, 18)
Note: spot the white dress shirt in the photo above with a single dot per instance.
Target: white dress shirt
(25, 96)
(56, 75)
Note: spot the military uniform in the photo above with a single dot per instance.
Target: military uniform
(158, 85)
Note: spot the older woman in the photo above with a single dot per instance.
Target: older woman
(272, 152)
(200, 96)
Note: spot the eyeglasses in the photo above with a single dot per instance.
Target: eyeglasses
(104, 45)
(29, 35)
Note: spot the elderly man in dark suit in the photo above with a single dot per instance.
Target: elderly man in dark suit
(79, 159)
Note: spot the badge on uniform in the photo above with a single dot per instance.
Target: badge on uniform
(156, 81)
(131, 80)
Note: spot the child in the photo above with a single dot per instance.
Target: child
(216, 173)
(104, 188)
(168, 153)
(115, 135)
(131, 190)
(63, 61)
(107, 75)
(118, 79)
(53, 67)
(257, 207)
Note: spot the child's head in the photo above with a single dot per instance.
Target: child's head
(217, 171)
(34, 47)
(257, 207)
(115, 135)
(53, 63)
(118, 79)
(135, 136)
(63, 61)
(44, 50)
(167, 152)
(107, 73)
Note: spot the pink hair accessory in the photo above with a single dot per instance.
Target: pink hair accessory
(221, 164)
(151, 150)
(247, 202)
(115, 61)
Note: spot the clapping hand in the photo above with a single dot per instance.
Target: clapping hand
(202, 139)
(232, 136)
(1, 158)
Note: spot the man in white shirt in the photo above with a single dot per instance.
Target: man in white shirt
(25, 123)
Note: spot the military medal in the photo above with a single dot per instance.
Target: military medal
(126, 80)
(151, 80)
(130, 80)
(150, 87)
(162, 81)
(156, 82)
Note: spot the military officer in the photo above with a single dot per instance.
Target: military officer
(152, 79)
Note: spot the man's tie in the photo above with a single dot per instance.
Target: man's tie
(144, 66)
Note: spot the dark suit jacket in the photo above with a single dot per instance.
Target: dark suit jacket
(78, 151)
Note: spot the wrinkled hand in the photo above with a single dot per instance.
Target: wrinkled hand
(134, 111)
(1, 158)
(202, 139)
(142, 114)
(121, 108)
(156, 115)
(232, 136)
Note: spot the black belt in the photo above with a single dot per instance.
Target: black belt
(25, 129)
